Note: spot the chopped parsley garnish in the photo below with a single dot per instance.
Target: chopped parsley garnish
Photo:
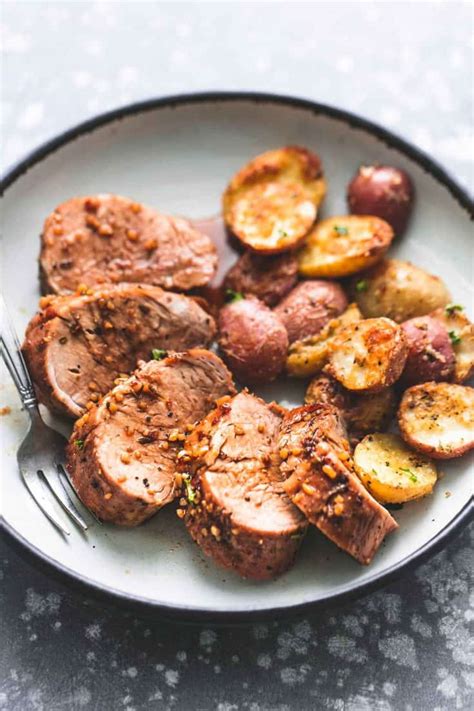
(79, 443)
(412, 476)
(231, 296)
(341, 230)
(283, 233)
(361, 285)
(455, 339)
(451, 308)
(191, 494)
(158, 354)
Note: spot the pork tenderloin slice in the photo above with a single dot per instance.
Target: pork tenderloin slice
(238, 512)
(122, 454)
(77, 345)
(109, 239)
(320, 480)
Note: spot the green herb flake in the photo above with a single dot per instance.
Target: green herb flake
(231, 296)
(341, 230)
(158, 354)
(191, 493)
(451, 308)
(412, 476)
(455, 339)
(79, 443)
(283, 233)
(362, 285)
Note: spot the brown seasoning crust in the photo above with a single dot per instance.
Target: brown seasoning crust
(320, 480)
(241, 517)
(122, 455)
(110, 239)
(78, 344)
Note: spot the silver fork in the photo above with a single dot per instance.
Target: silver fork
(41, 454)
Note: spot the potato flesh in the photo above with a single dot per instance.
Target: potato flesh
(271, 215)
(461, 331)
(391, 471)
(271, 203)
(368, 355)
(438, 418)
(341, 246)
(310, 355)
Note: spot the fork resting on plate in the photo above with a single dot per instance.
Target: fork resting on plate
(41, 453)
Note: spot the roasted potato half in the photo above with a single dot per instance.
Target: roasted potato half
(272, 202)
(369, 355)
(363, 414)
(398, 290)
(309, 356)
(461, 333)
(341, 246)
(438, 419)
(384, 191)
(391, 471)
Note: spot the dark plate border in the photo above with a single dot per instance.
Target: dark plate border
(188, 613)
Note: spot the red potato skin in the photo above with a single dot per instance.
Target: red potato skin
(382, 191)
(430, 352)
(253, 341)
(310, 306)
(268, 278)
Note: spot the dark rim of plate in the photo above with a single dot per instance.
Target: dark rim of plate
(191, 613)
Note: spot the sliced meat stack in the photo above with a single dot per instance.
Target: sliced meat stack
(237, 510)
(122, 454)
(110, 239)
(76, 346)
(320, 480)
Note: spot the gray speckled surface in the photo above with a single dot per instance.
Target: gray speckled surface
(407, 65)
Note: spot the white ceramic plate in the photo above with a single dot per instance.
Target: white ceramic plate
(178, 154)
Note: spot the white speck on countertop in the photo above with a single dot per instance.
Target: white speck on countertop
(93, 632)
(400, 648)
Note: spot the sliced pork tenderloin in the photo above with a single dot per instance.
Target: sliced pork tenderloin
(77, 345)
(122, 454)
(237, 510)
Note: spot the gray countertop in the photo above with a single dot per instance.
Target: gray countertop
(406, 65)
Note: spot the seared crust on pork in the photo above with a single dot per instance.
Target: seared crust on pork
(122, 454)
(320, 480)
(109, 239)
(238, 512)
(77, 345)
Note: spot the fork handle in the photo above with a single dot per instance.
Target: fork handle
(13, 357)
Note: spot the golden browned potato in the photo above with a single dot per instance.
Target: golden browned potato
(272, 202)
(369, 355)
(363, 414)
(461, 332)
(391, 471)
(438, 419)
(398, 290)
(309, 356)
(341, 246)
